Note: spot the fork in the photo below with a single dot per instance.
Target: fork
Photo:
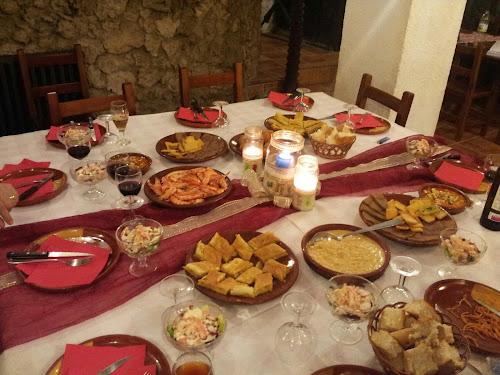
(70, 262)
(147, 373)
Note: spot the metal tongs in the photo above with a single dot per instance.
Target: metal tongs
(443, 157)
(196, 108)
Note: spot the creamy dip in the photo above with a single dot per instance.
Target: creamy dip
(356, 254)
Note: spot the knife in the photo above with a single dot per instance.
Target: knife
(91, 128)
(332, 116)
(199, 109)
(294, 95)
(46, 255)
(33, 189)
(112, 367)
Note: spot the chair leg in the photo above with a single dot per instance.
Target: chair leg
(464, 113)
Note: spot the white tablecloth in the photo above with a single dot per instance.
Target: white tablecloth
(248, 346)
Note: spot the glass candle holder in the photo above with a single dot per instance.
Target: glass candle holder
(252, 151)
(305, 183)
(282, 154)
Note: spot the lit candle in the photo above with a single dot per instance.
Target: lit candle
(284, 160)
(305, 182)
(252, 150)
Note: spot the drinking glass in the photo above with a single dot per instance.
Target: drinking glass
(348, 122)
(406, 267)
(192, 363)
(115, 159)
(119, 115)
(176, 286)
(140, 238)
(301, 106)
(77, 141)
(460, 247)
(421, 148)
(129, 180)
(108, 137)
(90, 173)
(294, 341)
(352, 299)
(221, 121)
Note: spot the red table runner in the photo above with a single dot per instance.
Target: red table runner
(27, 313)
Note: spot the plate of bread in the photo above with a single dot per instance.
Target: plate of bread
(346, 370)
(423, 220)
(242, 267)
(467, 304)
(413, 338)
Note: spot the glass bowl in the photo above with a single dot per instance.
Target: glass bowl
(420, 146)
(204, 321)
(462, 247)
(148, 245)
(89, 172)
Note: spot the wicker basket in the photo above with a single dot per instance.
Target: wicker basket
(328, 151)
(460, 343)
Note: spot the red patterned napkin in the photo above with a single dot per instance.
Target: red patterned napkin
(58, 274)
(368, 122)
(187, 114)
(89, 360)
(278, 98)
(26, 164)
(457, 175)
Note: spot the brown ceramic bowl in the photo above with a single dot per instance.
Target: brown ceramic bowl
(459, 206)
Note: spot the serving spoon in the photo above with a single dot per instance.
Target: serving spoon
(327, 236)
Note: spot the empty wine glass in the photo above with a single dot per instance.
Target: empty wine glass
(129, 180)
(421, 148)
(349, 122)
(301, 106)
(221, 121)
(108, 137)
(119, 115)
(461, 247)
(352, 299)
(77, 141)
(176, 286)
(90, 173)
(192, 363)
(295, 341)
(406, 267)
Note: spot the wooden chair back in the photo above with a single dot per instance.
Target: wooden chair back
(401, 106)
(27, 64)
(188, 82)
(58, 111)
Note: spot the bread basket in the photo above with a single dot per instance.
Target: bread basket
(328, 151)
(460, 343)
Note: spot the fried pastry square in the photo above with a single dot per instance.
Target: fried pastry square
(242, 290)
(236, 267)
(271, 251)
(277, 269)
(220, 244)
(263, 283)
(243, 249)
(263, 240)
(211, 279)
(208, 253)
(248, 277)
(225, 285)
(200, 269)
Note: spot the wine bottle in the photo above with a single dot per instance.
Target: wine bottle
(484, 22)
(490, 218)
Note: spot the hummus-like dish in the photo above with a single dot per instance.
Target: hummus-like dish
(355, 255)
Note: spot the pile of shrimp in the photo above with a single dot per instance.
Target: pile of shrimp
(189, 186)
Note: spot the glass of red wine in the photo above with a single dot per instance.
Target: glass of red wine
(115, 159)
(77, 141)
(129, 180)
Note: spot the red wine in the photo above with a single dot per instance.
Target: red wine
(111, 169)
(129, 187)
(490, 218)
(79, 152)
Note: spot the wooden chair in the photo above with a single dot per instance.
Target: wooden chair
(188, 82)
(29, 64)
(58, 111)
(463, 90)
(401, 106)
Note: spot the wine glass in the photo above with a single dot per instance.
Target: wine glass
(176, 286)
(90, 172)
(301, 106)
(140, 238)
(115, 159)
(421, 148)
(119, 115)
(108, 137)
(221, 121)
(461, 247)
(406, 267)
(353, 299)
(129, 180)
(349, 122)
(294, 341)
(192, 363)
(77, 141)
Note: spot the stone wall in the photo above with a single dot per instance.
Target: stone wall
(140, 41)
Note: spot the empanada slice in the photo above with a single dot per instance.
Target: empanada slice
(248, 277)
(236, 267)
(277, 269)
(243, 249)
(200, 269)
(263, 240)
(220, 244)
(263, 283)
(272, 251)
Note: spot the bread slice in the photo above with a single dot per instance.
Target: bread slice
(420, 309)
(262, 240)
(392, 319)
(404, 337)
(446, 333)
(426, 331)
(277, 269)
(242, 290)
(419, 361)
(447, 358)
(263, 283)
(236, 267)
(389, 348)
(220, 244)
(208, 253)
(272, 251)
(248, 277)
(243, 249)
(200, 269)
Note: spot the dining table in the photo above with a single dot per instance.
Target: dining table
(248, 346)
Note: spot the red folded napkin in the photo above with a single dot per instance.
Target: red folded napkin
(187, 114)
(58, 274)
(52, 134)
(368, 122)
(278, 98)
(151, 369)
(459, 176)
(25, 164)
(92, 359)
